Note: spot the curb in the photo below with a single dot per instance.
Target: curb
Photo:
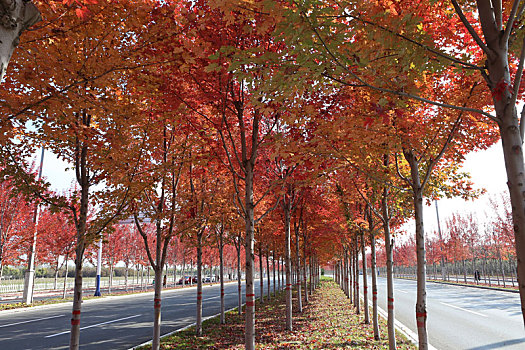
(465, 285)
(183, 328)
(400, 327)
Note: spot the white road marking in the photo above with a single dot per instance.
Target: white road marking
(402, 291)
(95, 325)
(462, 309)
(38, 319)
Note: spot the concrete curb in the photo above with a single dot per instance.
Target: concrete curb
(465, 285)
(400, 327)
(182, 329)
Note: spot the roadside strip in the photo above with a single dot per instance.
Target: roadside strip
(407, 332)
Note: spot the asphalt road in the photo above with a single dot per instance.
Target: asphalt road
(109, 323)
(460, 317)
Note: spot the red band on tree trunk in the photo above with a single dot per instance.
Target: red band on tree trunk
(76, 312)
(75, 322)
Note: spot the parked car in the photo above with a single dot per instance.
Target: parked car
(208, 279)
(186, 280)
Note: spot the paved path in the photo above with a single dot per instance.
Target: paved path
(109, 323)
(461, 317)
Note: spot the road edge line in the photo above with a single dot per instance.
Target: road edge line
(403, 329)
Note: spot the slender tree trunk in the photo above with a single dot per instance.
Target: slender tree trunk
(464, 271)
(250, 268)
(64, 291)
(126, 273)
(287, 253)
(365, 280)
(421, 299)
(74, 340)
(261, 270)
(221, 269)
(502, 271)
(54, 282)
(304, 272)
(273, 270)
(198, 325)
(239, 286)
(157, 305)
(389, 244)
(298, 269)
(279, 272)
(356, 277)
(268, 273)
(374, 286)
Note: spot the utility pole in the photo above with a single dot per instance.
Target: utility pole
(440, 243)
(30, 273)
(99, 268)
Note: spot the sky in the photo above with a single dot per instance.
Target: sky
(486, 168)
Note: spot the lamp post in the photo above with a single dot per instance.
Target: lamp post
(440, 243)
(99, 268)
(29, 278)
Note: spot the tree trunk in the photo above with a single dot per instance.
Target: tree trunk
(157, 306)
(298, 269)
(221, 272)
(261, 271)
(65, 278)
(365, 280)
(304, 272)
(421, 299)
(374, 286)
(389, 244)
(356, 277)
(273, 270)
(74, 341)
(198, 325)
(126, 273)
(249, 328)
(288, 258)
(54, 282)
(268, 273)
(239, 286)
(18, 16)
(502, 271)
(110, 282)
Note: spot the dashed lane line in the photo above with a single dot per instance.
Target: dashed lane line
(95, 325)
(462, 309)
(28, 321)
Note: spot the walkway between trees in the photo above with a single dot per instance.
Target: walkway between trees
(328, 321)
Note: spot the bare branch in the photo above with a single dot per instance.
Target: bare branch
(511, 20)
(470, 29)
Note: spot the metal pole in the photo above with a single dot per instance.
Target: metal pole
(440, 242)
(99, 268)
(29, 284)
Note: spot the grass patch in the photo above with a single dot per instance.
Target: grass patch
(327, 322)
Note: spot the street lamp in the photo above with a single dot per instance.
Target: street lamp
(30, 273)
(99, 268)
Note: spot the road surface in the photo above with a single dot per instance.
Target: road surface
(460, 317)
(109, 323)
